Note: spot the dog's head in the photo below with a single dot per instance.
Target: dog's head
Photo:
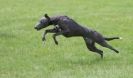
(43, 22)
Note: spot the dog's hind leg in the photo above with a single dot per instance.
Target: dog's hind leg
(91, 46)
(105, 44)
(112, 38)
(98, 38)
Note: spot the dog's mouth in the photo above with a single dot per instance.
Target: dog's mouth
(36, 28)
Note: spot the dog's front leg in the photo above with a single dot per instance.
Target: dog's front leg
(57, 34)
(48, 31)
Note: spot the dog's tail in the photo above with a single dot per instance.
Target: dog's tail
(112, 38)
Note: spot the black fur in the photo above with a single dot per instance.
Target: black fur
(67, 27)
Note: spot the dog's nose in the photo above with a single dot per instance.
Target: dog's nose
(35, 27)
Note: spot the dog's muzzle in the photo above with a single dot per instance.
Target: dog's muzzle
(36, 28)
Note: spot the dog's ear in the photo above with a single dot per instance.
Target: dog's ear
(46, 16)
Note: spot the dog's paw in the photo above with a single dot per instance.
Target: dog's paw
(56, 42)
(43, 39)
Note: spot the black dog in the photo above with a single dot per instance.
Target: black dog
(67, 27)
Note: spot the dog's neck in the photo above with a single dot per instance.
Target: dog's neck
(54, 20)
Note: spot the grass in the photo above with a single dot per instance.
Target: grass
(22, 54)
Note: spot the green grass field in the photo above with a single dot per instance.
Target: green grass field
(22, 54)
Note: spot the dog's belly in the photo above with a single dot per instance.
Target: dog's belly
(72, 34)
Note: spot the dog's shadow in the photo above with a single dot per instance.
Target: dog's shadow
(89, 62)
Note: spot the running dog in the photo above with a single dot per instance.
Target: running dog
(63, 25)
